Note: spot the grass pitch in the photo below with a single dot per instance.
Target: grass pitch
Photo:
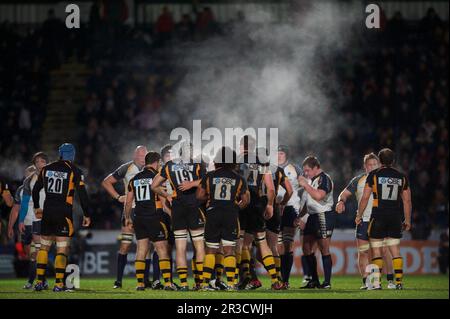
(343, 287)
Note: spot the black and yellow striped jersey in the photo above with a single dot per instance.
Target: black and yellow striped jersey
(177, 172)
(387, 184)
(60, 179)
(144, 198)
(224, 188)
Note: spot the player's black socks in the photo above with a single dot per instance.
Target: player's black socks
(148, 263)
(32, 271)
(390, 277)
(253, 275)
(121, 263)
(327, 266)
(286, 265)
(156, 269)
(312, 264)
(305, 266)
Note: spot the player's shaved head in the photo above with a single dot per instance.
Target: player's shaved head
(139, 155)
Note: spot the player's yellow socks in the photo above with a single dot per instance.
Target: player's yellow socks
(208, 267)
(194, 270)
(397, 264)
(41, 264)
(218, 266)
(199, 266)
(269, 264)
(182, 275)
(140, 271)
(60, 269)
(245, 263)
(277, 266)
(379, 262)
(164, 266)
(238, 265)
(230, 269)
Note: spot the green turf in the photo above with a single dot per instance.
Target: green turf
(417, 287)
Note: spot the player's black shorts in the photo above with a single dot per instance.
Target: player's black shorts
(254, 219)
(56, 224)
(122, 218)
(288, 218)
(361, 231)
(168, 222)
(273, 224)
(27, 235)
(36, 227)
(152, 227)
(320, 225)
(186, 216)
(384, 226)
(221, 224)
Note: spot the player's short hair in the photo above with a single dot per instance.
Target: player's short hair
(152, 157)
(262, 154)
(249, 142)
(387, 156)
(166, 149)
(369, 157)
(311, 161)
(39, 155)
(225, 158)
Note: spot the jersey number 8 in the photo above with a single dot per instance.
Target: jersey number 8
(222, 191)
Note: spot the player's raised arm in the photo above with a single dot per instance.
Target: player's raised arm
(201, 194)
(317, 194)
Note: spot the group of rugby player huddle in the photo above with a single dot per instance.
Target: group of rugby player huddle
(236, 212)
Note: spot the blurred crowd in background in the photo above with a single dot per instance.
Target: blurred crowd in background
(398, 88)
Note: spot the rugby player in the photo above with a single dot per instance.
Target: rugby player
(164, 207)
(148, 222)
(59, 180)
(356, 187)
(29, 225)
(187, 217)
(390, 189)
(225, 192)
(320, 223)
(252, 218)
(288, 214)
(126, 172)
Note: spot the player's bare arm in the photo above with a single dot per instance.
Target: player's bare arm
(342, 198)
(12, 220)
(108, 185)
(128, 207)
(270, 189)
(186, 185)
(363, 204)
(316, 194)
(407, 206)
(201, 194)
(7, 197)
(245, 200)
(159, 189)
